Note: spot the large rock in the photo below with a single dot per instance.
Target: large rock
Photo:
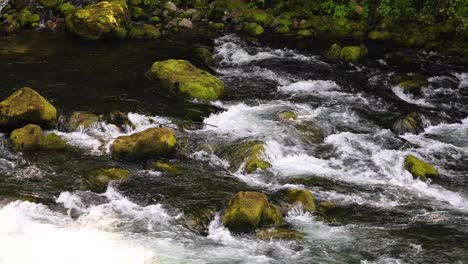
(250, 154)
(30, 138)
(26, 106)
(107, 19)
(268, 234)
(299, 197)
(419, 168)
(247, 211)
(80, 120)
(181, 77)
(153, 142)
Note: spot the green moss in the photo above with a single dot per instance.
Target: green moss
(304, 33)
(139, 14)
(49, 3)
(216, 26)
(185, 14)
(258, 16)
(98, 179)
(255, 159)
(282, 29)
(247, 211)
(254, 29)
(353, 54)
(153, 142)
(279, 234)
(181, 77)
(135, 2)
(27, 18)
(287, 115)
(334, 52)
(410, 83)
(419, 168)
(52, 142)
(154, 20)
(326, 207)
(66, 9)
(27, 138)
(380, 35)
(80, 120)
(144, 32)
(300, 196)
(411, 123)
(97, 21)
(27, 106)
(164, 166)
(205, 55)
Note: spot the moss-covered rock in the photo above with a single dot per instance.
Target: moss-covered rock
(98, 179)
(305, 33)
(255, 159)
(199, 221)
(52, 142)
(410, 123)
(310, 132)
(380, 35)
(419, 168)
(287, 116)
(27, 138)
(205, 55)
(80, 120)
(153, 142)
(66, 9)
(145, 31)
(120, 120)
(97, 21)
(299, 197)
(181, 77)
(247, 211)
(216, 26)
(352, 54)
(410, 83)
(250, 154)
(253, 29)
(9, 26)
(268, 234)
(154, 20)
(160, 165)
(31, 137)
(27, 18)
(139, 13)
(26, 106)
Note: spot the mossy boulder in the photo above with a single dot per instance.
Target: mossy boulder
(30, 138)
(303, 33)
(380, 35)
(326, 207)
(181, 77)
(352, 54)
(66, 9)
(102, 20)
(255, 159)
(410, 83)
(250, 154)
(27, 18)
(80, 120)
(419, 168)
(410, 123)
(98, 179)
(253, 29)
(268, 234)
(153, 142)
(216, 26)
(27, 138)
(299, 197)
(247, 211)
(27, 106)
(287, 116)
(139, 13)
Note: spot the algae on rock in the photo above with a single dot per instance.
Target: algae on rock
(153, 142)
(181, 77)
(419, 168)
(26, 106)
(247, 211)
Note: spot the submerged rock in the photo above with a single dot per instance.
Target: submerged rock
(181, 77)
(352, 54)
(419, 168)
(26, 106)
(153, 142)
(279, 234)
(251, 154)
(247, 211)
(199, 221)
(107, 19)
(164, 166)
(30, 138)
(410, 123)
(98, 179)
(299, 197)
(410, 83)
(79, 120)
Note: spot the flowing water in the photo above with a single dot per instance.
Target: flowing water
(384, 215)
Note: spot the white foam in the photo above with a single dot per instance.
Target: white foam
(311, 86)
(398, 91)
(463, 78)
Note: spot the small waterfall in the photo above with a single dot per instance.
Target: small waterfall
(3, 3)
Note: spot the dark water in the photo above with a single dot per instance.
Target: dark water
(383, 214)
